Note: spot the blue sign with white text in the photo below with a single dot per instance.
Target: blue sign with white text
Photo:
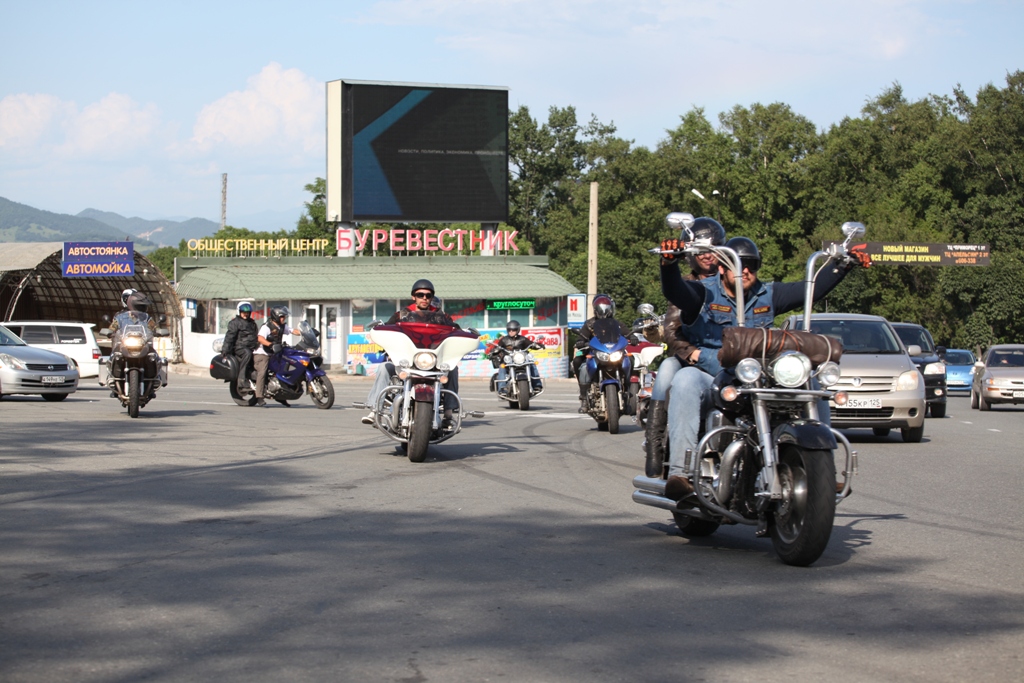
(98, 259)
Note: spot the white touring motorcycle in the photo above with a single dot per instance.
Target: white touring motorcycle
(765, 458)
(411, 410)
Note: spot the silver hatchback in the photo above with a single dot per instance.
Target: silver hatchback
(885, 388)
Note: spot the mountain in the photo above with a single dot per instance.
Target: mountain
(166, 233)
(23, 223)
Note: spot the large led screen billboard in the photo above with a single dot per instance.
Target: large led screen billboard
(406, 152)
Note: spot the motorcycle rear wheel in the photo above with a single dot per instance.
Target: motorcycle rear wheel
(632, 398)
(801, 524)
(523, 387)
(249, 400)
(419, 433)
(133, 393)
(326, 399)
(691, 527)
(611, 401)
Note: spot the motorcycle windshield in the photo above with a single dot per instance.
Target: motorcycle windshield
(607, 336)
(310, 341)
(426, 335)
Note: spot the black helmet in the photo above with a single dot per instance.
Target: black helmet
(423, 283)
(137, 302)
(277, 312)
(704, 228)
(513, 325)
(124, 296)
(604, 307)
(745, 248)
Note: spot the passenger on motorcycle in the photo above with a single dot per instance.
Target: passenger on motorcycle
(270, 335)
(707, 307)
(702, 266)
(513, 341)
(604, 308)
(422, 310)
(241, 340)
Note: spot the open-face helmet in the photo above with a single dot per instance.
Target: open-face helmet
(513, 326)
(750, 257)
(422, 283)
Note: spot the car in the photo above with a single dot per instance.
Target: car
(926, 358)
(74, 339)
(884, 387)
(27, 369)
(999, 376)
(959, 370)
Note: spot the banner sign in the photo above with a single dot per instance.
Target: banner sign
(576, 310)
(98, 259)
(926, 254)
(350, 240)
(510, 304)
(262, 247)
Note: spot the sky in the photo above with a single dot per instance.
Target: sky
(138, 108)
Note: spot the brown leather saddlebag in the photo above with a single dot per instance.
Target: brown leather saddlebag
(761, 343)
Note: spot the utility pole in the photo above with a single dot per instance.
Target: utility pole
(223, 200)
(592, 253)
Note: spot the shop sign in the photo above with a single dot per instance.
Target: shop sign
(351, 240)
(251, 247)
(576, 310)
(98, 259)
(510, 304)
(925, 254)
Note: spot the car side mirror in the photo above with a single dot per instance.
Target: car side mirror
(914, 350)
(162, 332)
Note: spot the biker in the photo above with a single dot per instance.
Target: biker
(136, 312)
(604, 309)
(513, 341)
(240, 341)
(707, 307)
(421, 310)
(270, 334)
(702, 266)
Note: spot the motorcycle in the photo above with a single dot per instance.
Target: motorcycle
(134, 371)
(523, 381)
(290, 370)
(642, 355)
(609, 367)
(764, 458)
(411, 409)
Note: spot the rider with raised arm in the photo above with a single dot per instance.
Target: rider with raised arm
(707, 307)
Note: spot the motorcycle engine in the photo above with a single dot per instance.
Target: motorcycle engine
(273, 385)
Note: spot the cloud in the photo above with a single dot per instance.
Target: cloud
(25, 119)
(280, 110)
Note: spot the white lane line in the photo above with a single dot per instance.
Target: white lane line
(550, 416)
(995, 430)
(967, 423)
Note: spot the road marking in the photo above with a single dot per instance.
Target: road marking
(967, 423)
(995, 430)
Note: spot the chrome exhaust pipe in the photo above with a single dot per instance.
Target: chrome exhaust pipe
(646, 498)
(649, 484)
(725, 471)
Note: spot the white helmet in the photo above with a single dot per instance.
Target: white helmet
(124, 296)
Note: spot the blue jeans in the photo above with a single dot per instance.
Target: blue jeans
(691, 399)
(666, 371)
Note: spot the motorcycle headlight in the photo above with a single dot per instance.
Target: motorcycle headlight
(935, 369)
(508, 359)
(828, 373)
(519, 357)
(602, 356)
(615, 356)
(424, 360)
(908, 381)
(791, 369)
(134, 342)
(748, 370)
(11, 361)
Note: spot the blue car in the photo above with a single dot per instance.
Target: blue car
(959, 368)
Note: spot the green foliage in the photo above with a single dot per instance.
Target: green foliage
(313, 223)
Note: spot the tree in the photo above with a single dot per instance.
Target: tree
(313, 223)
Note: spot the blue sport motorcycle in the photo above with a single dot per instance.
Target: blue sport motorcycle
(609, 367)
(291, 368)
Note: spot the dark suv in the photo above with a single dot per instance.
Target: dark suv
(928, 362)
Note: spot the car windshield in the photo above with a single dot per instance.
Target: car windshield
(1010, 358)
(859, 336)
(916, 335)
(959, 358)
(8, 338)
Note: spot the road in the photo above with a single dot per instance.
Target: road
(204, 541)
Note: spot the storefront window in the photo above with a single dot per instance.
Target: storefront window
(466, 312)
(386, 308)
(226, 310)
(362, 314)
(549, 313)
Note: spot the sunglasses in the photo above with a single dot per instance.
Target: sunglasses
(750, 264)
(423, 295)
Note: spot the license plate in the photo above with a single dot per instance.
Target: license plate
(53, 379)
(856, 402)
(1018, 394)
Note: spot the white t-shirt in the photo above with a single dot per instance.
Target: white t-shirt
(265, 333)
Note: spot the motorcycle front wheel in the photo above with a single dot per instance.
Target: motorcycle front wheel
(419, 434)
(322, 392)
(802, 523)
(611, 401)
(523, 387)
(133, 393)
(238, 398)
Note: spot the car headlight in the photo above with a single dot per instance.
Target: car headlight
(424, 360)
(935, 369)
(11, 362)
(828, 373)
(519, 357)
(993, 382)
(748, 370)
(908, 381)
(791, 369)
(72, 363)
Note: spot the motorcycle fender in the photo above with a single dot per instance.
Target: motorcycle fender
(423, 392)
(809, 434)
(606, 382)
(592, 366)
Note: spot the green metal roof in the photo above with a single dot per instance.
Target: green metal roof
(364, 277)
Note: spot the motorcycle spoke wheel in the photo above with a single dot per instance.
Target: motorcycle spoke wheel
(523, 387)
(611, 401)
(322, 392)
(419, 432)
(801, 523)
(133, 393)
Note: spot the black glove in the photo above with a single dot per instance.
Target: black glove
(670, 245)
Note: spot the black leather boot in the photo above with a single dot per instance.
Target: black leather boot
(584, 402)
(657, 423)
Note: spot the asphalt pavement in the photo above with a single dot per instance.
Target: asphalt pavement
(206, 541)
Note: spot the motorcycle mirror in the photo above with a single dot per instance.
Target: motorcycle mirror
(681, 222)
(162, 332)
(374, 323)
(473, 330)
(161, 318)
(105, 318)
(105, 332)
(646, 310)
(852, 230)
